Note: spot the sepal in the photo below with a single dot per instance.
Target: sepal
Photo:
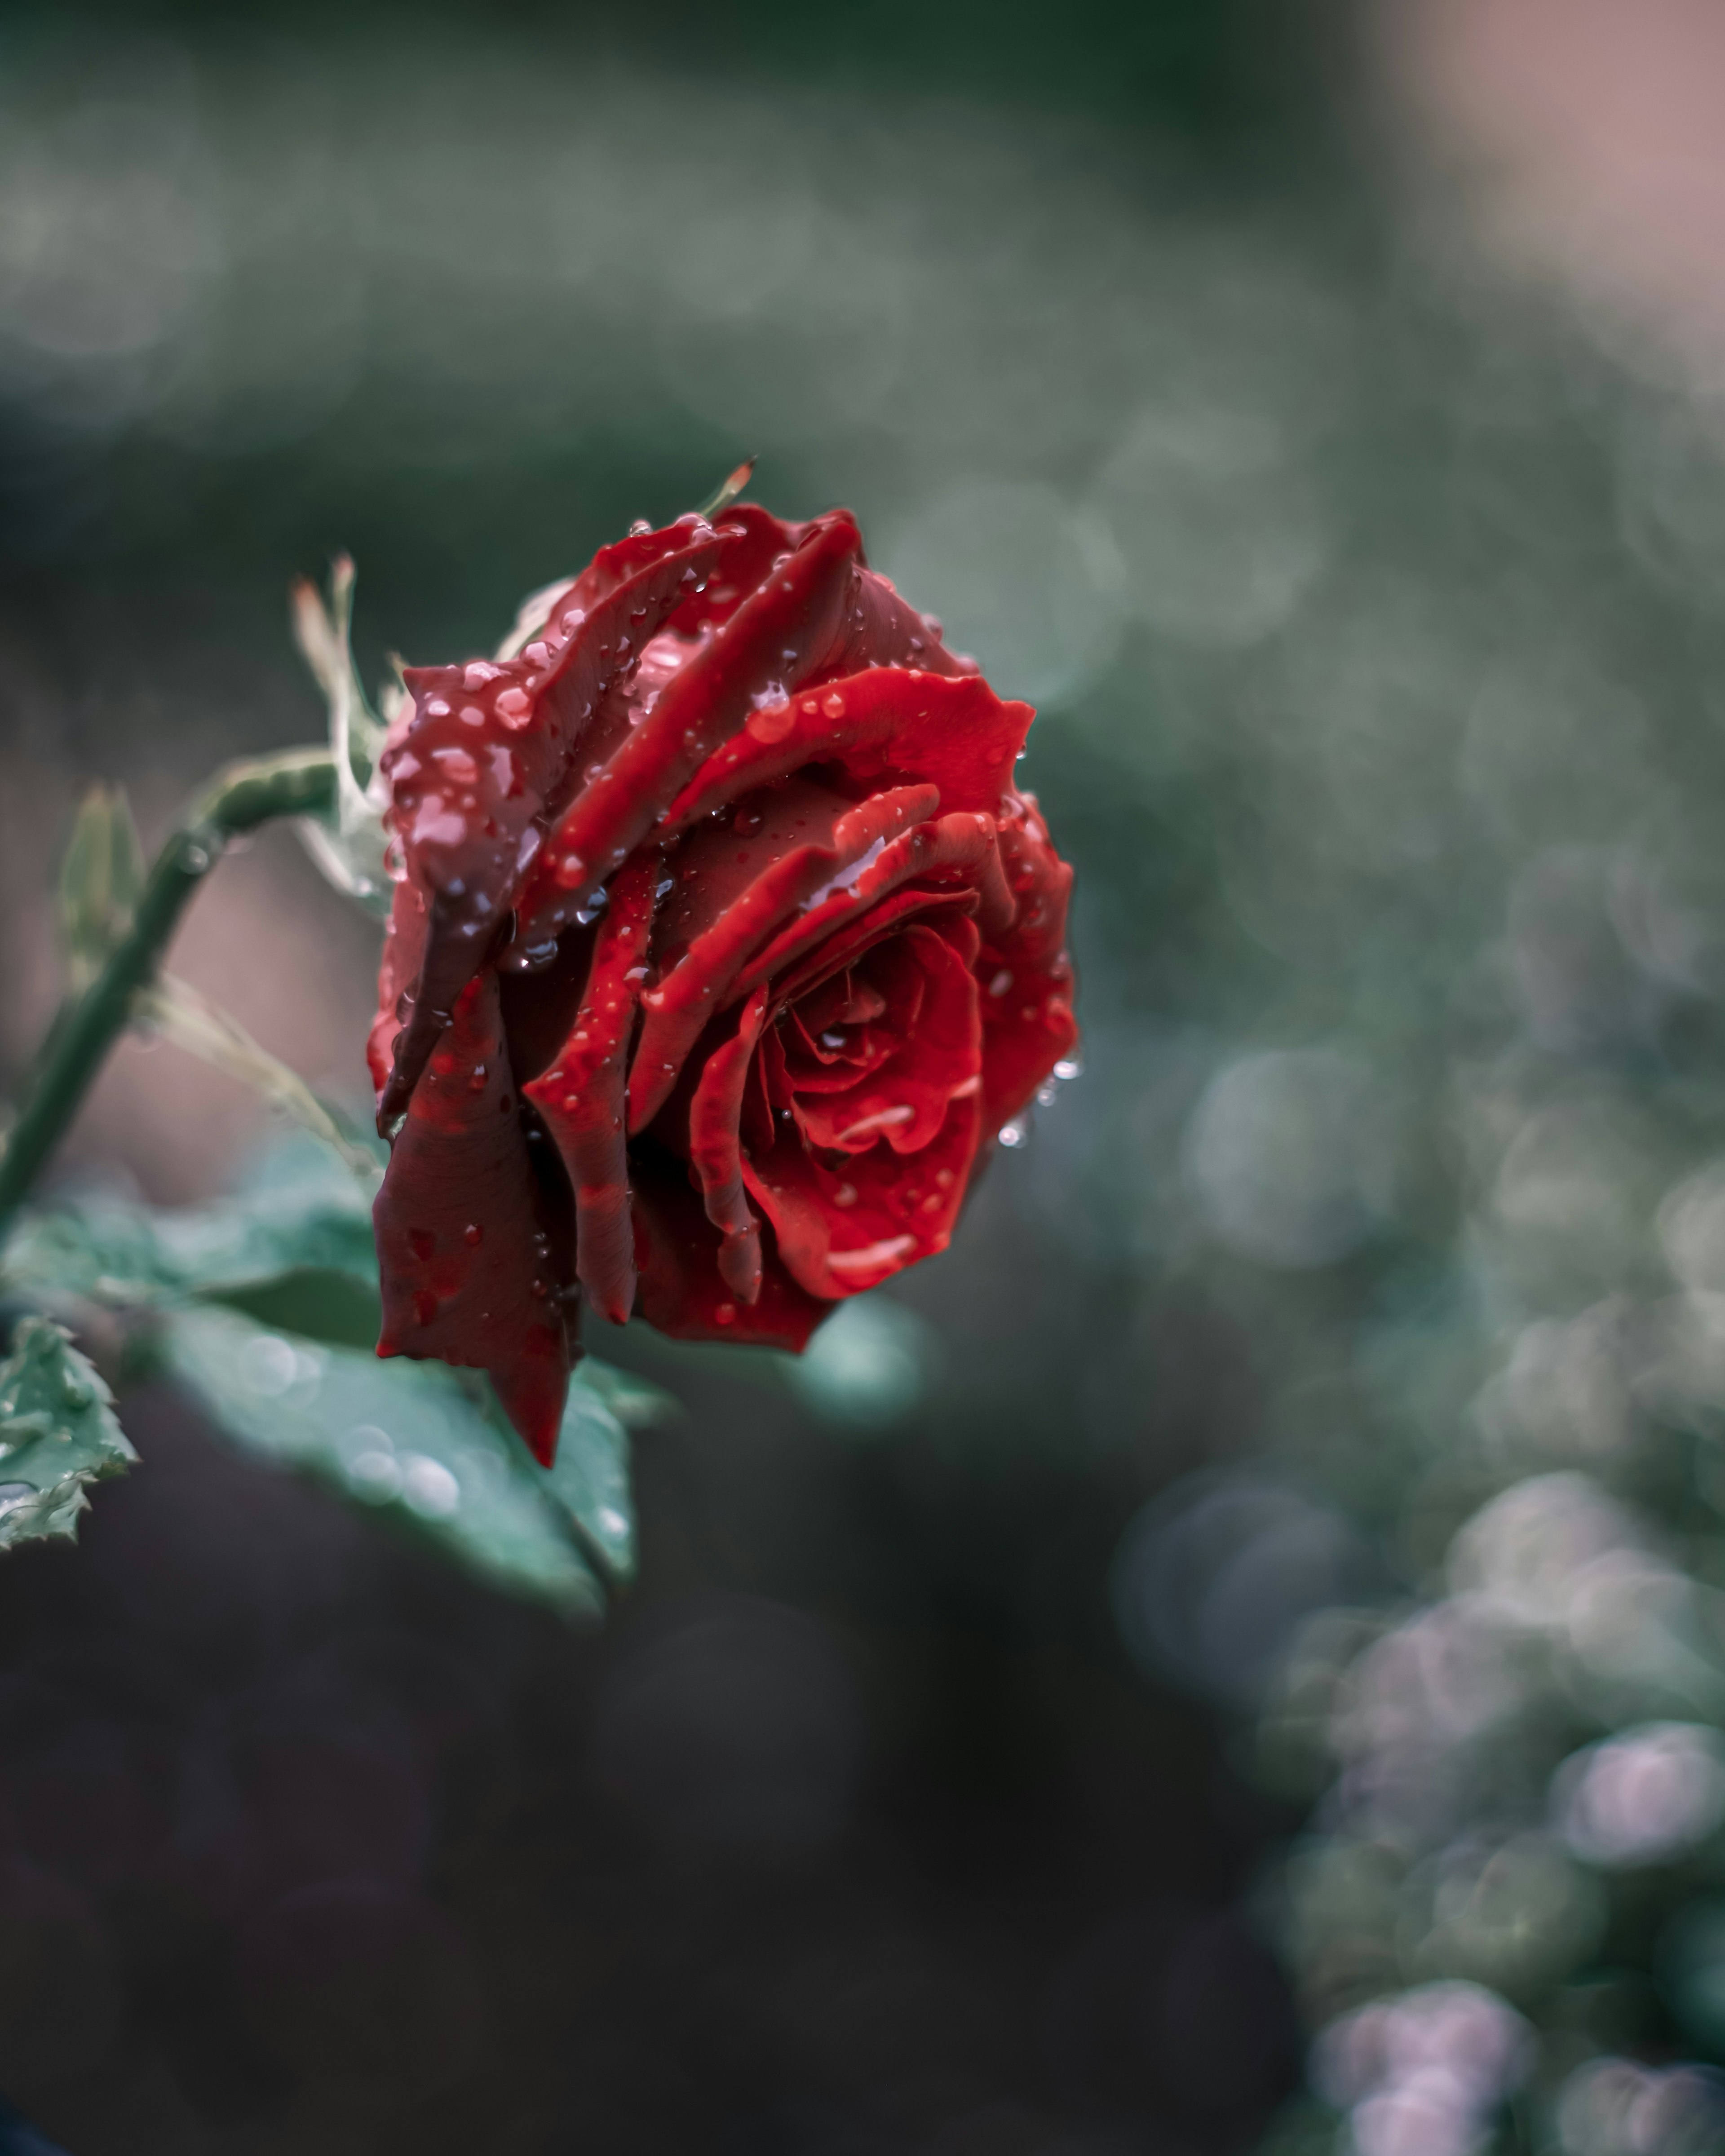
(349, 843)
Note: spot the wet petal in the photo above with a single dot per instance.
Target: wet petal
(841, 1230)
(945, 860)
(715, 1150)
(888, 725)
(677, 1253)
(699, 985)
(468, 1272)
(904, 1102)
(1026, 975)
(784, 628)
(580, 1098)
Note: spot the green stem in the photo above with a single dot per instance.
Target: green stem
(298, 782)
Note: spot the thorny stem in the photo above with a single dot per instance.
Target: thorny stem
(297, 783)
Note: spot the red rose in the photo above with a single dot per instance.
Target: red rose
(723, 946)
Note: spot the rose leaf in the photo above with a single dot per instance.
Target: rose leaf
(407, 1440)
(58, 1434)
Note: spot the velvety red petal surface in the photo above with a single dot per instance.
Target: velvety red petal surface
(466, 1260)
(727, 863)
(580, 1099)
(681, 1293)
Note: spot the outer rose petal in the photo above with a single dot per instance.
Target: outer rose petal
(792, 619)
(467, 1271)
(403, 954)
(888, 725)
(1026, 975)
(489, 755)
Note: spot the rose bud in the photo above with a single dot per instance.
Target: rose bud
(723, 946)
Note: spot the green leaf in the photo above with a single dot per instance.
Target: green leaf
(412, 1439)
(101, 879)
(590, 1478)
(312, 1215)
(58, 1434)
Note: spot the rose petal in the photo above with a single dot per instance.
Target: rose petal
(464, 1260)
(841, 1230)
(786, 625)
(948, 855)
(677, 1252)
(1026, 975)
(404, 955)
(715, 1150)
(474, 870)
(580, 1098)
(885, 723)
(700, 984)
(905, 1101)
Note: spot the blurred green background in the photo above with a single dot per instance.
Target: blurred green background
(1267, 1583)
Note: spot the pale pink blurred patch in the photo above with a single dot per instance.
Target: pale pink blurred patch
(1593, 132)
